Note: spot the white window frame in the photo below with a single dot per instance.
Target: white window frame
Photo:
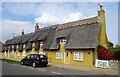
(16, 46)
(18, 53)
(58, 55)
(41, 44)
(78, 56)
(12, 46)
(24, 53)
(23, 45)
(33, 44)
(63, 40)
(12, 52)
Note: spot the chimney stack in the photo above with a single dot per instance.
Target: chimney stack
(36, 27)
(100, 7)
(22, 32)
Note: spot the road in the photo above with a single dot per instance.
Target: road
(16, 69)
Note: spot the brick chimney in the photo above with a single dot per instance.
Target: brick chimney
(36, 27)
(22, 32)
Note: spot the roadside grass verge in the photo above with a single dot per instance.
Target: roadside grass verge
(11, 61)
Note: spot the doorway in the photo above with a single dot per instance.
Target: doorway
(67, 57)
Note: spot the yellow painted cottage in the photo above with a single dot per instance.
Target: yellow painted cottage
(68, 43)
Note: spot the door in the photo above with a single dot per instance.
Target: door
(67, 58)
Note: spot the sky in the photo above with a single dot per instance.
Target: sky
(23, 15)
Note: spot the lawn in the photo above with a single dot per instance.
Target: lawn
(11, 61)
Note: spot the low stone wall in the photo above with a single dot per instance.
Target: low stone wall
(113, 64)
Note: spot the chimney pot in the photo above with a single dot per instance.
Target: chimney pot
(100, 7)
(36, 27)
(22, 32)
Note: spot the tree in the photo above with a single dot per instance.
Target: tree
(117, 46)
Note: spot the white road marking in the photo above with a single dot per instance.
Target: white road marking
(56, 72)
(43, 70)
(31, 67)
(23, 66)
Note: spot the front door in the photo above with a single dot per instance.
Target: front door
(67, 57)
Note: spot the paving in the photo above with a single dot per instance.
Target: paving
(92, 70)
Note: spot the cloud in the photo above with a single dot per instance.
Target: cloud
(9, 27)
(47, 19)
(74, 17)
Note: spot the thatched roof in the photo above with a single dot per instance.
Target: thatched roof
(8, 42)
(28, 46)
(35, 36)
(27, 37)
(84, 37)
(20, 47)
(37, 45)
(49, 39)
(79, 34)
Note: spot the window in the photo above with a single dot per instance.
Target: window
(33, 44)
(63, 40)
(18, 53)
(33, 56)
(16, 46)
(78, 56)
(41, 44)
(23, 45)
(42, 56)
(44, 53)
(58, 55)
(28, 57)
(12, 52)
(12, 46)
(24, 53)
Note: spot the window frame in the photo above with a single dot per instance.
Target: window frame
(63, 40)
(33, 44)
(13, 46)
(41, 43)
(78, 56)
(16, 46)
(18, 53)
(24, 53)
(24, 46)
(58, 55)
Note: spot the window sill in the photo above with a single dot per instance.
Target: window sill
(78, 60)
(59, 59)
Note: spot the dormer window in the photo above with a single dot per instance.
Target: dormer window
(23, 45)
(41, 44)
(16, 46)
(63, 40)
(33, 44)
(12, 46)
